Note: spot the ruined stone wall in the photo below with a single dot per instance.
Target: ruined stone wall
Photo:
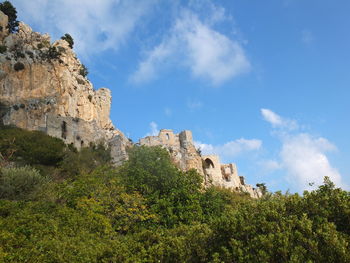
(185, 156)
(42, 88)
(183, 152)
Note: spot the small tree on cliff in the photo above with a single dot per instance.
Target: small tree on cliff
(69, 39)
(8, 9)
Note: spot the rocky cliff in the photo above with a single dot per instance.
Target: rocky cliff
(43, 87)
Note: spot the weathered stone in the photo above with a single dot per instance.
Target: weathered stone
(48, 94)
(3, 26)
(186, 157)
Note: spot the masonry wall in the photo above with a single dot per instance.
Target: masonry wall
(185, 156)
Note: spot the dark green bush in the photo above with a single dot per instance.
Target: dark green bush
(19, 183)
(3, 49)
(53, 53)
(85, 160)
(67, 37)
(83, 71)
(31, 147)
(18, 66)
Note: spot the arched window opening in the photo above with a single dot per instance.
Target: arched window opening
(167, 136)
(208, 163)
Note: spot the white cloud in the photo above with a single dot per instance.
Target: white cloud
(154, 131)
(147, 68)
(270, 165)
(95, 25)
(304, 158)
(230, 149)
(277, 121)
(194, 44)
(302, 155)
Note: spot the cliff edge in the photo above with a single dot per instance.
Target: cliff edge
(43, 87)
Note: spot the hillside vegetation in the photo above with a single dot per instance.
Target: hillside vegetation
(61, 205)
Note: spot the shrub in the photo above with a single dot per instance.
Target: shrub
(83, 71)
(18, 66)
(67, 37)
(8, 9)
(53, 53)
(30, 147)
(85, 161)
(3, 49)
(19, 183)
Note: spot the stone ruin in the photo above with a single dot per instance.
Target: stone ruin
(42, 88)
(185, 155)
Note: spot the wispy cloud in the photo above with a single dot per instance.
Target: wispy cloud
(302, 155)
(194, 104)
(193, 43)
(95, 25)
(277, 121)
(153, 129)
(168, 112)
(230, 149)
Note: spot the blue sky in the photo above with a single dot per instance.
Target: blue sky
(264, 84)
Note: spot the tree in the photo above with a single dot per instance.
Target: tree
(67, 37)
(83, 70)
(262, 187)
(8, 9)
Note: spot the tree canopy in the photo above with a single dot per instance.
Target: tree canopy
(79, 208)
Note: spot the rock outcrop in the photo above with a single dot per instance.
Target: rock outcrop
(3, 25)
(185, 155)
(42, 87)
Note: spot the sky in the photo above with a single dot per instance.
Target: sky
(263, 84)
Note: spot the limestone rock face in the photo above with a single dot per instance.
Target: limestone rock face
(185, 155)
(3, 25)
(42, 88)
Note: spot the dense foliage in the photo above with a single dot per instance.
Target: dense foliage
(74, 206)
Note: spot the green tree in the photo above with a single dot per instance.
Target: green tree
(19, 183)
(83, 70)
(8, 9)
(67, 37)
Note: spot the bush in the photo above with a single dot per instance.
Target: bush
(19, 183)
(67, 37)
(3, 49)
(8, 9)
(83, 71)
(30, 147)
(85, 161)
(18, 66)
(53, 53)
